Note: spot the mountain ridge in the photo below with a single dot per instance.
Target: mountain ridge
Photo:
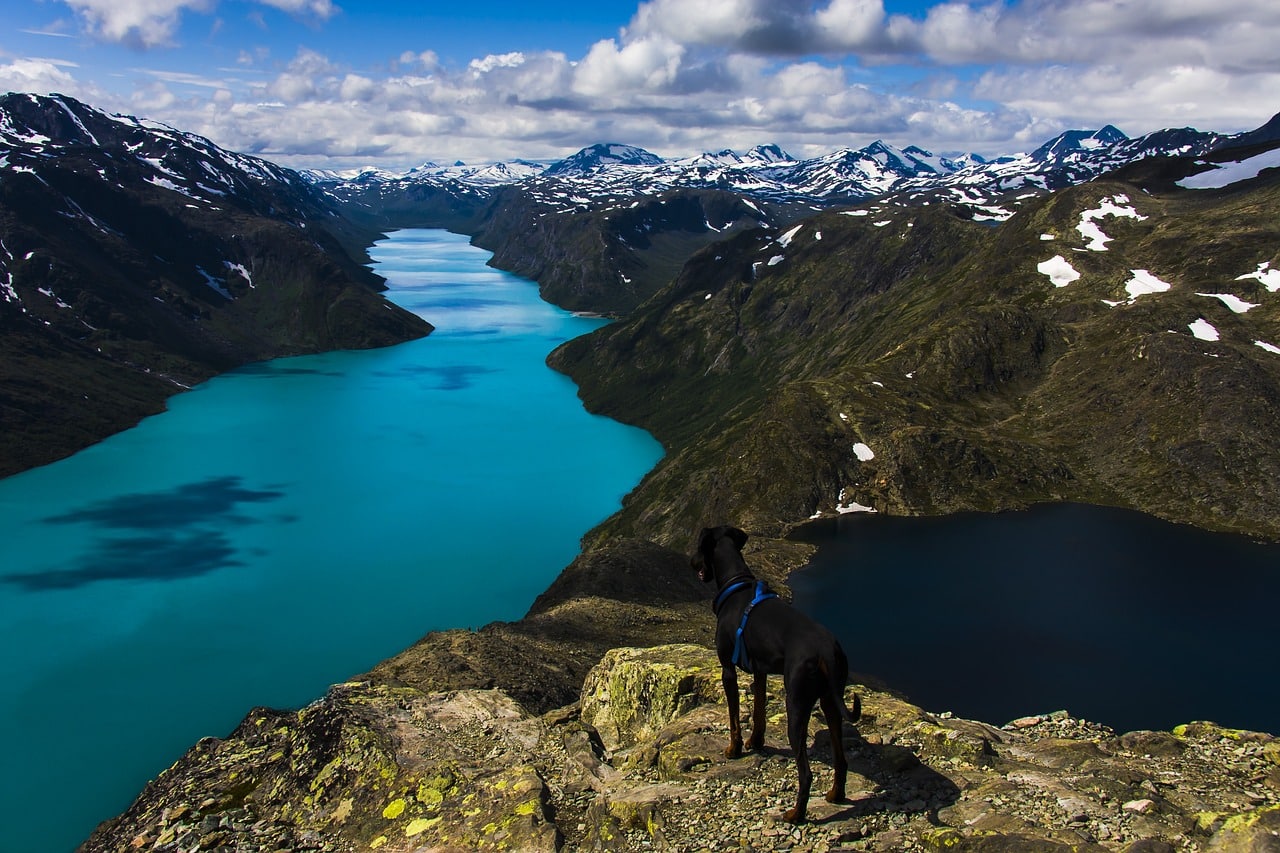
(137, 260)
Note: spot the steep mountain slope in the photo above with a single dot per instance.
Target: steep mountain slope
(136, 260)
(1102, 345)
(608, 259)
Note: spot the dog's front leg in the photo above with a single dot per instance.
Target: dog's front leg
(759, 684)
(729, 679)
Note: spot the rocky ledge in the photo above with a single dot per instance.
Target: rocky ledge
(638, 764)
(597, 722)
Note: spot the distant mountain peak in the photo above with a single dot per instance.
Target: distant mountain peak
(604, 154)
(770, 153)
(1072, 141)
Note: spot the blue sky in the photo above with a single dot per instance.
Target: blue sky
(341, 84)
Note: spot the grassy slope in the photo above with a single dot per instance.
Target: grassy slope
(977, 384)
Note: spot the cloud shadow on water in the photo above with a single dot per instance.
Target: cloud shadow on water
(155, 536)
(164, 556)
(213, 500)
(449, 377)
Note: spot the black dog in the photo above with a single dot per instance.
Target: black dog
(762, 634)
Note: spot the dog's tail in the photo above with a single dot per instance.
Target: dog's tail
(852, 716)
(837, 676)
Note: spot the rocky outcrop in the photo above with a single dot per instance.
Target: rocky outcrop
(639, 764)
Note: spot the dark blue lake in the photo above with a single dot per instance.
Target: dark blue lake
(1113, 615)
(284, 527)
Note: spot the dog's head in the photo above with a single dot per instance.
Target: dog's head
(706, 548)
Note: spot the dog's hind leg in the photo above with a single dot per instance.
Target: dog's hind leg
(798, 713)
(729, 680)
(759, 686)
(835, 726)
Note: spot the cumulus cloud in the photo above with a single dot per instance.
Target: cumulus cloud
(146, 24)
(643, 65)
(39, 75)
(768, 27)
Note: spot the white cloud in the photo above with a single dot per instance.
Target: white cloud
(40, 75)
(702, 22)
(322, 9)
(852, 24)
(490, 62)
(153, 23)
(610, 71)
(690, 75)
(141, 23)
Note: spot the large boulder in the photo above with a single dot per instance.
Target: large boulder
(633, 693)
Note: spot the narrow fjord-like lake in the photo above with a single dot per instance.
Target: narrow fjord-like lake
(286, 526)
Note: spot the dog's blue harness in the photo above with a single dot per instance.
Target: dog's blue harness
(740, 659)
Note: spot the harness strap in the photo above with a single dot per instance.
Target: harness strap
(728, 591)
(740, 659)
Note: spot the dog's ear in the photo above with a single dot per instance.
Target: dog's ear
(706, 541)
(739, 538)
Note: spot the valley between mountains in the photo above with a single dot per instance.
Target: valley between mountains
(879, 330)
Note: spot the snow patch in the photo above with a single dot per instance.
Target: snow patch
(1229, 173)
(53, 296)
(1143, 282)
(1118, 205)
(851, 506)
(882, 223)
(1235, 303)
(1270, 278)
(785, 240)
(777, 259)
(1047, 237)
(863, 452)
(1059, 271)
(165, 183)
(1268, 347)
(1203, 330)
(240, 268)
(855, 212)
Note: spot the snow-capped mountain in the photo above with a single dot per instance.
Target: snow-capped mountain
(136, 259)
(47, 135)
(613, 175)
(601, 156)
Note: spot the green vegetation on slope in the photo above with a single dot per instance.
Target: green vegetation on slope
(975, 382)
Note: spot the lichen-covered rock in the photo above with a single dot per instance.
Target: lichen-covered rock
(366, 767)
(374, 767)
(633, 693)
(1257, 831)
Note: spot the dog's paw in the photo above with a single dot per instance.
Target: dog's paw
(733, 750)
(793, 816)
(756, 744)
(836, 795)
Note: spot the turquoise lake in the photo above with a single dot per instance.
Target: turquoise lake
(286, 526)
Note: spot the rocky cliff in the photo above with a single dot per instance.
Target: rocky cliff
(623, 750)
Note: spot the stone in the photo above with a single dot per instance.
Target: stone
(634, 693)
